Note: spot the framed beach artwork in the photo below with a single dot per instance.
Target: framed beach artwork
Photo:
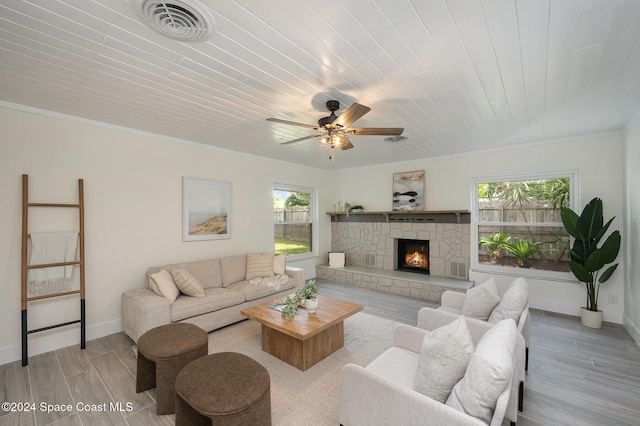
(408, 191)
(206, 209)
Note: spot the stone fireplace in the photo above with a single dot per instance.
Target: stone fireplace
(439, 248)
(374, 244)
(412, 255)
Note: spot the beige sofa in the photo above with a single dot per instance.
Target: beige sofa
(226, 286)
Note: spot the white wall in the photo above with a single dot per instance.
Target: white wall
(133, 203)
(632, 229)
(598, 158)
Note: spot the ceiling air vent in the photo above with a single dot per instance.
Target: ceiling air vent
(184, 20)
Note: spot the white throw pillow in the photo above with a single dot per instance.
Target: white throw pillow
(513, 302)
(280, 264)
(259, 265)
(481, 300)
(187, 283)
(165, 284)
(488, 374)
(444, 357)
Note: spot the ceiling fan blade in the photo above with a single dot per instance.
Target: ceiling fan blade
(301, 139)
(292, 123)
(350, 115)
(376, 131)
(346, 146)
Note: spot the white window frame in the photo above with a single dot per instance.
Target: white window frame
(313, 211)
(574, 202)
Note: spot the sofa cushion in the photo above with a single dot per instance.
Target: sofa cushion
(443, 360)
(513, 302)
(481, 300)
(488, 374)
(207, 272)
(259, 265)
(165, 284)
(187, 283)
(233, 269)
(214, 299)
(256, 291)
(280, 264)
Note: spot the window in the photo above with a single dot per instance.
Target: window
(516, 224)
(293, 217)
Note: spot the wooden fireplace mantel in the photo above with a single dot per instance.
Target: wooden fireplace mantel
(434, 216)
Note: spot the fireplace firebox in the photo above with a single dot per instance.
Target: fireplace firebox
(412, 255)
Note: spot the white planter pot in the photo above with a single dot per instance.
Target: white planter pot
(592, 319)
(311, 305)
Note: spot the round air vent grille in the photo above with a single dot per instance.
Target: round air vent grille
(177, 19)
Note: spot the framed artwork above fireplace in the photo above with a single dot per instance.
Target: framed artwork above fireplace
(408, 191)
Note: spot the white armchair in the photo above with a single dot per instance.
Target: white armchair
(382, 393)
(430, 319)
(453, 301)
(514, 302)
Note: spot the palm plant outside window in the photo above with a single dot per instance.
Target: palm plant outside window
(517, 224)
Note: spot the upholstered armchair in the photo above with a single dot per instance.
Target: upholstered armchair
(454, 302)
(391, 389)
(485, 304)
(431, 319)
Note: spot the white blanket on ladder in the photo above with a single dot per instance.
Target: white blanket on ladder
(52, 247)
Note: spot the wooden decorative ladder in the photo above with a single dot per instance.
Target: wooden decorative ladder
(26, 205)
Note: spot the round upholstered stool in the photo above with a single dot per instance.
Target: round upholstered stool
(225, 388)
(164, 351)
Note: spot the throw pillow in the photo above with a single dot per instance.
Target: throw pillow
(259, 265)
(165, 284)
(488, 374)
(280, 264)
(481, 300)
(151, 284)
(513, 302)
(444, 356)
(187, 283)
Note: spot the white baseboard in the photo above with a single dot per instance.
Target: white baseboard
(632, 329)
(570, 309)
(56, 340)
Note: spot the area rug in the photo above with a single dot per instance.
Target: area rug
(310, 397)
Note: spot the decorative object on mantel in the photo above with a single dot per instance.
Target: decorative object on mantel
(357, 208)
(306, 296)
(408, 191)
(586, 259)
(206, 210)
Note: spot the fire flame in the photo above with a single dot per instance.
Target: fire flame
(417, 259)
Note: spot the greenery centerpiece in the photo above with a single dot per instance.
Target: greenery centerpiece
(586, 259)
(304, 296)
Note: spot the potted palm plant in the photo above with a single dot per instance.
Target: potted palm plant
(586, 259)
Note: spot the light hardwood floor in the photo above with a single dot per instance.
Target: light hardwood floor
(577, 375)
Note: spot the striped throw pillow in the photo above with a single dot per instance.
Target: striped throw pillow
(187, 283)
(259, 265)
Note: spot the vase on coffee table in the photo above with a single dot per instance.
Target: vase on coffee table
(311, 305)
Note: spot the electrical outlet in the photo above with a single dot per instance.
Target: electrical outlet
(613, 299)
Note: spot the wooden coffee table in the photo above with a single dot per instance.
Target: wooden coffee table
(308, 338)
